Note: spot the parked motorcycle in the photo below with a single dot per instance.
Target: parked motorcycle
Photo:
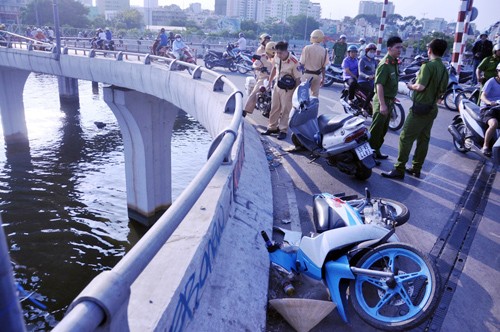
(343, 139)
(397, 113)
(410, 72)
(221, 59)
(453, 89)
(332, 75)
(392, 286)
(244, 63)
(468, 124)
(471, 93)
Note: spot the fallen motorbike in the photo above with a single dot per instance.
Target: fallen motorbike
(332, 75)
(397, 113)
(392, 286)
(263, 103)
(221, 59)
(343, 139)
(453, 89)
(468, 129)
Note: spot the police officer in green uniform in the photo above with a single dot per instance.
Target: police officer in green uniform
(386, 88)
(488, 67)
(430, 85)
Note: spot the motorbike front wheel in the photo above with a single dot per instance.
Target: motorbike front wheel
(328, 78)
(232, 67)
(209, 64)
(242, 68)
(460, 146)
(449, 99)
(397, 117)
(398, 303)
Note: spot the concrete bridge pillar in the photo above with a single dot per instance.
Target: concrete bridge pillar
(68, 90)
(146, 123)
(12, 83)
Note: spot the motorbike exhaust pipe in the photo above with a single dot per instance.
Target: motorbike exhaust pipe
(455, 134)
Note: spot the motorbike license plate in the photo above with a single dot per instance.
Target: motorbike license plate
(364, 151)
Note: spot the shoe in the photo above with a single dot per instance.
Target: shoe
(270, 132)
(281, 135)
(244, 114)
(378, 155)
(394, 174)
(486, 152)
(414, 172)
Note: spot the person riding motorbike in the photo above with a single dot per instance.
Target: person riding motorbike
(264, 39)
(366, 68)
(178, 47)
(490, 109)
(241, 44)
(263, 67)
(350, 68)
(162, 36)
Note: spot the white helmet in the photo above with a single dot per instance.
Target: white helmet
(362, 40)
(317, 36)
(496, 48)
(343, 36)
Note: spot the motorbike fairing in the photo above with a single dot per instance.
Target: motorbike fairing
(318, 247)
(330, 212)
(472, 118)
(328, 123)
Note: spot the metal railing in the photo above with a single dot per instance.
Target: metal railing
(104, 295)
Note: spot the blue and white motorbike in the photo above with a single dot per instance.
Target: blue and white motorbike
(341, 139)
(392, 285)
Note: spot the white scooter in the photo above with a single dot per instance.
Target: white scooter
(342, 139)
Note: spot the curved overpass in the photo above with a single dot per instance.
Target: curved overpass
(145, 96)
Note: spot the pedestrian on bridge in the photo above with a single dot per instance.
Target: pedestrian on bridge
(314, 59)
(431, 83)
(339, 51)
(386, 89)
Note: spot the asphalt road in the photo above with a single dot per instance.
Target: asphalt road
(432, 198)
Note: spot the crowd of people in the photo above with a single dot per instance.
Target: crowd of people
(279, 70)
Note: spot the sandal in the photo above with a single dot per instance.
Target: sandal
(486, 152)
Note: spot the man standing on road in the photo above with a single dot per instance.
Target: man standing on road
(287, 74)
(263, 67)
(339, 51)
(314, 59)
(430, 85)
(481, 49)
(386, 88)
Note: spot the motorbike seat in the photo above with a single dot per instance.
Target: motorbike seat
(474, 112)
(328, 122)
(216, 53)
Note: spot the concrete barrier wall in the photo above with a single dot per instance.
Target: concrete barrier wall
(169, 290)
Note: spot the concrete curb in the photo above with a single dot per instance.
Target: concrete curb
(235, 298)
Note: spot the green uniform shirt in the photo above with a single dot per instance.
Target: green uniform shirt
(489, 67)
(339, 50)
(387, 74)
(434, 76)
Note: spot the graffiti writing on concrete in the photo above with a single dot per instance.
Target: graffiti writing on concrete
(189, 299)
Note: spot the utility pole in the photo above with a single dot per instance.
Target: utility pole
(57, 30)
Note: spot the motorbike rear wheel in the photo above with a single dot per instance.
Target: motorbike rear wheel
(232, 67)
(459, 146)
(449, 99)
(328, 78)
(399, 303)
(241, 67)
(362, 172)
(397, 117)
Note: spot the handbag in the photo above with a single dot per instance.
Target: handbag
(287, 81)
(422, 108)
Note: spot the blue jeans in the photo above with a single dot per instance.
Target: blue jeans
(475, 63)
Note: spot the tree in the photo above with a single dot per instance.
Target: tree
(40, 12)
(372, 19)
(129, 19)
(301, 25)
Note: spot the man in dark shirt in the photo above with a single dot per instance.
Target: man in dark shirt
(481, 49)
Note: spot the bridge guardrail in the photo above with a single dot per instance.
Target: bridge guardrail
(106, 293)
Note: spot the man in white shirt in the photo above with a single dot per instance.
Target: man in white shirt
(242, 44)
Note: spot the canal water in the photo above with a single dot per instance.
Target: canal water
(63, 196)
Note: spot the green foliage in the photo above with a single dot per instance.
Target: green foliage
(40, 12)
(128, 19)
(302, 25)
(372, 19)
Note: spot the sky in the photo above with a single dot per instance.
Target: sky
(337, 9)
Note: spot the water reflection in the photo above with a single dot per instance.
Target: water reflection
(63, 196)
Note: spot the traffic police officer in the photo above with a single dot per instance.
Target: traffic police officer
(431, 83)
(264, 39)
(386, 88)
(314, 59)
(281, 104)
(263, 68)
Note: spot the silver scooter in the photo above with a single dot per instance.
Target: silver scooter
(342, 139)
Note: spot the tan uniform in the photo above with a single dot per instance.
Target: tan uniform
(261, 50)
(281, 102)
(314, 58)
(260, 77)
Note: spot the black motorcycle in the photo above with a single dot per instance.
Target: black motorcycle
(453, 89)
(410, 72)
(221, 59)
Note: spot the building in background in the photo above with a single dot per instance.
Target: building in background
(150, 3)
(87, 3)
(374, 8)
(110, 8)
(430, 25)
(10, 11)
(278, 10)
(221, 7)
